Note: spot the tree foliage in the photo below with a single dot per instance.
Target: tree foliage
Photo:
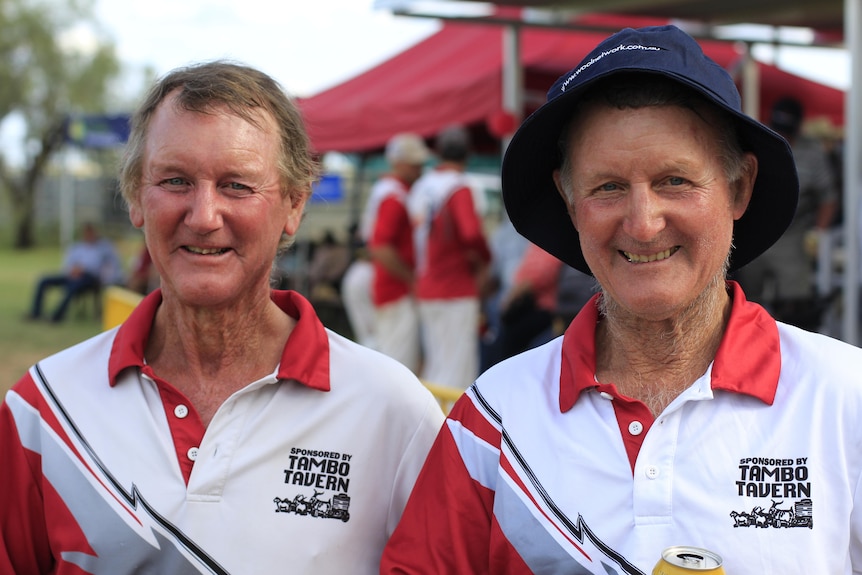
(44, 77)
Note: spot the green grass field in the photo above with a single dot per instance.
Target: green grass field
(22, 343)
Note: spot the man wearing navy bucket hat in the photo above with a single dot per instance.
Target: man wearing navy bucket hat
(672, 411)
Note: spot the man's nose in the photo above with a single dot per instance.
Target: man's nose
(645, 217)
(204, 213)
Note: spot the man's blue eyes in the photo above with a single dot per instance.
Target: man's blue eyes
(181, 182)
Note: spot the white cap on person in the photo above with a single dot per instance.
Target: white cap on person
(408, 148)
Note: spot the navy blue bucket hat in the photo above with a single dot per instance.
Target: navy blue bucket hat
(531, 198)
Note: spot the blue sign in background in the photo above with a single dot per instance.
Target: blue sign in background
(98, 131)
(329, 189)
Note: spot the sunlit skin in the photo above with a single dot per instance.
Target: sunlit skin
(655, 212)
(211, 206)
(212, 210)
(652, 205)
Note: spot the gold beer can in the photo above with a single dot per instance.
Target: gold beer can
(688, 561)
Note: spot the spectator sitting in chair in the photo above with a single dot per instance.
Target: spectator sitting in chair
(87, 265)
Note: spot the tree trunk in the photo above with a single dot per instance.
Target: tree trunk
(23, 190)
(23, 233)
(24, 214)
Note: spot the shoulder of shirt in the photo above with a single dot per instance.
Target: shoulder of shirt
(832, 358)
(533, 369)
(86, 360)
(373, 369)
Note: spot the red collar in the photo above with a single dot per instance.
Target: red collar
(748, 359)
(305, 357)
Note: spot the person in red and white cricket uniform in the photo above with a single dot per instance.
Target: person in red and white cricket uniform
(389, 235)
(672, 411)
(221, 428)
(452, 257)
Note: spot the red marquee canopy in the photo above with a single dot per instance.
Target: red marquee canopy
(455, 76)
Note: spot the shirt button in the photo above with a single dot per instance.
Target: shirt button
(192, 453)
(181, 411)
(636, 427)
(651, 472)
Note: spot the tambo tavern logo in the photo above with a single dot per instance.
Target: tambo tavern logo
(784, 482)
(322, 471)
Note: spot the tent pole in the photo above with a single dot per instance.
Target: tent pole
(513, 78)
(357, 201)
(68, 202)
(750, 84)
(852, 173)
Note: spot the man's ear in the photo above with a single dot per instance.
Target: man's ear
(295, 211)
(136, 215)
(745, 186)
(570, 205)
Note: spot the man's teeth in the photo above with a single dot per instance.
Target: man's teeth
(642, 259)
(204, 251)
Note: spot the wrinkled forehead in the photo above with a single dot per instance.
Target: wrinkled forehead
(582, 123)
(178, 102)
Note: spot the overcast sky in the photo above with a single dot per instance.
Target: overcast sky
(308, 45)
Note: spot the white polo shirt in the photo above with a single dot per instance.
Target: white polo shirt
(544, 471)
(108, 470)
